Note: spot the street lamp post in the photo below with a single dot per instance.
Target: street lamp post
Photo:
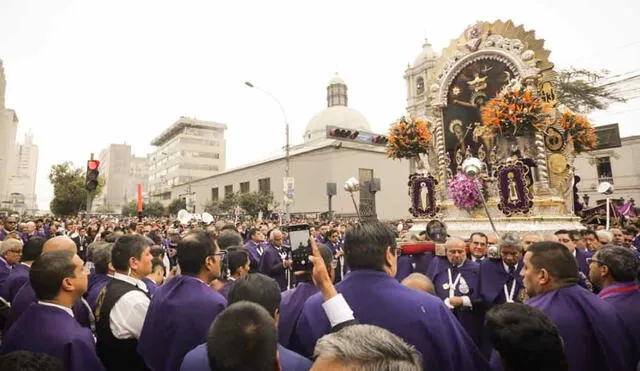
(286, 131)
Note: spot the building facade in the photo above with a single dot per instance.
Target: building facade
(22, 181)
(122, 171)
(416, 76)
(187, 150)
(319, 160)
(8, 129)
(616, 166)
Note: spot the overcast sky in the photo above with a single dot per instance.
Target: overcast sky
(83, 74)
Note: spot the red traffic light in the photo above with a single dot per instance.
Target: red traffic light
(380, 139)
(93, 164)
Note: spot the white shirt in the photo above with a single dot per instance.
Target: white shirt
(337, 310)
(128, 314)
(68, 310)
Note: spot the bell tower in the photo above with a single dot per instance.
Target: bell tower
(416, 77)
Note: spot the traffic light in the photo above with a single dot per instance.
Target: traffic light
(91, 182)
(379, 139)
(344, 133)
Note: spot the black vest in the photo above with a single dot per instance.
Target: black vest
(115, 354)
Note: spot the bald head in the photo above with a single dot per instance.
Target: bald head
(420, 282)
(59, 243)
(455, 242)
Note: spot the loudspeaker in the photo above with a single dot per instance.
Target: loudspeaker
(332, 189)
(374, 185)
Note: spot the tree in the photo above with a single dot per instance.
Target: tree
(254, 202)
(153, 208)
(177, 205)
(214, 208)
(229, 202)
(69, 194)
(580, 90)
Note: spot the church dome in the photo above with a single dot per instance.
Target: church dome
(341, 116)
(426, 54)
(336, 114)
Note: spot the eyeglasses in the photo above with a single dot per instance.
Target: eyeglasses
(592, 260)
(221, 254)
(19, 252)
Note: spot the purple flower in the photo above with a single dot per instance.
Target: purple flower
(465, 192)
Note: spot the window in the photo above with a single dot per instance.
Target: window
(419, 85)
(264, 185)
(214, 194)
(228, 190)
(603, 166)
(244, 187)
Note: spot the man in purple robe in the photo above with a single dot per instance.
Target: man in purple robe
(377, 298)
(255, 247)
(184, 307)
(334, 243)
(594, 336)
(500, 280)
(264, 291)
(413, 263)
(102, 274)
(238, 264)
(156, 277)
(615, 269)
(10, 253)
(293, 300)
(275, 262)
(456, 283)
(26, 295)
(9, 226)
(20, 273)
(59, 280)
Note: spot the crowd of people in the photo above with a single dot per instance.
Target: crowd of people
(121, 294)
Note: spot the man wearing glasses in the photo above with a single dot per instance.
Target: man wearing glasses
(10, 254)
(183, 308)
(9, 226)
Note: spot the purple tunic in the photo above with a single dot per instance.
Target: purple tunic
(415, 263)
(53, 331)
(625, 298)
(255, 251)
(594, 336)
(26, 296)
(291, 305)
(341, 268)
(224, 290)
(152, 287)
(271, 265)
(97, 282)
(494, 277)
(177, 321)
(18, 276)
(5, 269)
(581, 258)
(420, 319)
(472, 319)
(198, 360)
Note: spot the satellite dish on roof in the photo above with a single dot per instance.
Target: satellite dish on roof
(605, 188)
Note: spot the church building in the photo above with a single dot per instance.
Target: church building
(338, 144)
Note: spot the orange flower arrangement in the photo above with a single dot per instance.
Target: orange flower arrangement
(579, 131)
(408, 138)
(516, 111)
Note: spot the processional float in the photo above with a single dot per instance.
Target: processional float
(492, 131)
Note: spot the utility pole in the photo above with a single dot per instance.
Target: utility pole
(89, 198)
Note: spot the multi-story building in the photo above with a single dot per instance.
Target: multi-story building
(122, 172)
(187, 150)
(8, 129)
(613, 165)
(22, 181)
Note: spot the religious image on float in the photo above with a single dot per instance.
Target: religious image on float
(471, 89)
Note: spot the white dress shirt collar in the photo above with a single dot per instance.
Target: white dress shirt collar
(506, 267)
(68, 310)
(134, 281)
